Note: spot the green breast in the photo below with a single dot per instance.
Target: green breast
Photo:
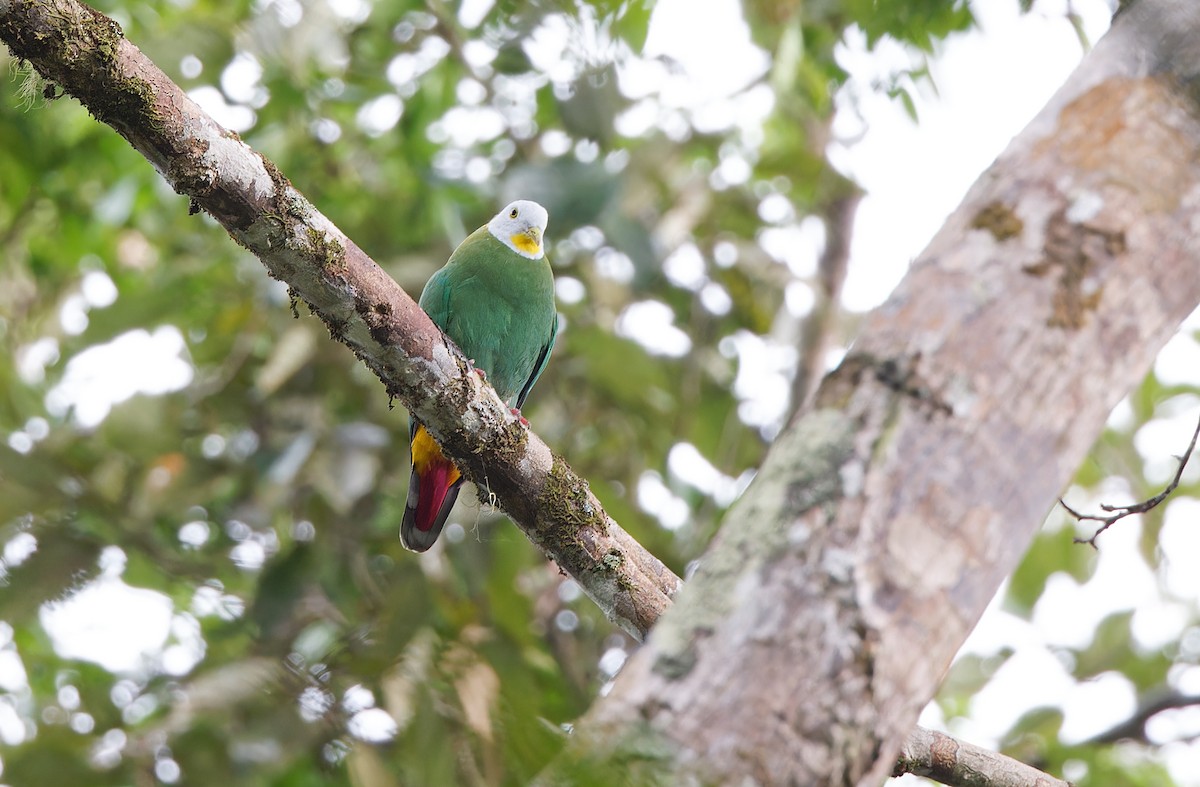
(498, 307)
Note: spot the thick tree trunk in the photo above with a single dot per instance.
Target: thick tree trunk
(886, 516)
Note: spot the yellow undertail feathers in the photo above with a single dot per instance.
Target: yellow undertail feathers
(426, 453)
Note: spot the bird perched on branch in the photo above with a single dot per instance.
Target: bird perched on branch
(495, 298)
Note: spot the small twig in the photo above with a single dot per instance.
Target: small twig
(1076, 20)
(1117, 513)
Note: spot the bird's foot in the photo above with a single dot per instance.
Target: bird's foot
(524, 421)
(478, 371)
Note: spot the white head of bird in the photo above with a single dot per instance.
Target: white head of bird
(520, 227)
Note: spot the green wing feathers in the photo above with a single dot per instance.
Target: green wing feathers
(540, 365)
(498, 307)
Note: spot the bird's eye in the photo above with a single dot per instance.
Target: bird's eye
(513, 213)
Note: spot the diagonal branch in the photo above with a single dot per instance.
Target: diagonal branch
(85, 53)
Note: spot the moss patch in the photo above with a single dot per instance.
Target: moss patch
(562, 511)
(642, 755)
(327, 251)
(998, 219)
(76, 48)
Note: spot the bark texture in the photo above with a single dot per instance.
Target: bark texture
(886, 516)
(84, 52)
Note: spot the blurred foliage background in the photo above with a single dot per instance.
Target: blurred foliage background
(200, 494)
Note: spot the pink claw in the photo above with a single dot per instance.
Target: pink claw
(517, 413)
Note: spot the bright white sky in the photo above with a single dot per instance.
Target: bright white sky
(989, 83)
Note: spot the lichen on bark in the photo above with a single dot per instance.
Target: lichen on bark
(801, 472)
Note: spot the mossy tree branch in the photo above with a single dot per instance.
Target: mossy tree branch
(85, 54)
